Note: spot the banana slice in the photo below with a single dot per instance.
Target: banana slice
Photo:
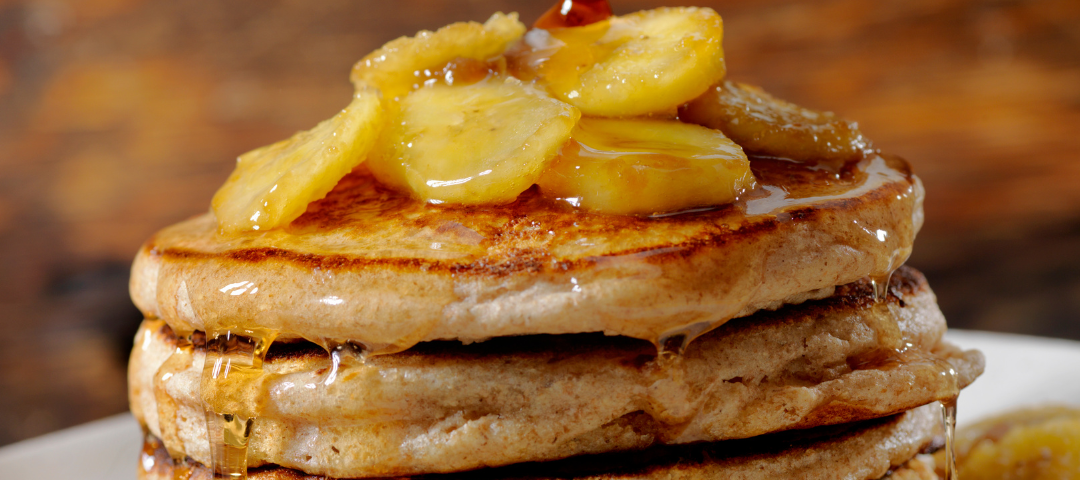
(407, 62)
(273, 185)
(646, 62)
(764, 124)
(482, 143)
(642, 167)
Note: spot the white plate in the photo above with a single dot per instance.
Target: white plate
(1020, 370)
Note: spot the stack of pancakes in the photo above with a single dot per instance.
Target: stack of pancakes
(383, 337)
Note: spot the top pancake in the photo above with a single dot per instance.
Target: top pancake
(372, 266)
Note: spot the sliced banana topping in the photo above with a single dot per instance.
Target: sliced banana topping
(642, 167)
(273, 185)
(764, 124)
(481, 143)
(646, 62)
(407, 62)
(459, 123)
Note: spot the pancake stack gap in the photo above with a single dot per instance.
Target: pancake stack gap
(575, 250)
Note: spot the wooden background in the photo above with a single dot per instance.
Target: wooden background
(118, 117)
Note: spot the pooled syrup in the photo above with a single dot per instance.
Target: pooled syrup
(574, 13)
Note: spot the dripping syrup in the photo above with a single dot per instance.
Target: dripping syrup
(574, 13)
(948, 419)
(880, 284)
(343, 354)
(231, 389)
(895, 350)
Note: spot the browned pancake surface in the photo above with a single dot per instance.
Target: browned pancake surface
(370, 265)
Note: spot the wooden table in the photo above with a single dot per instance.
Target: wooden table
(118, 117)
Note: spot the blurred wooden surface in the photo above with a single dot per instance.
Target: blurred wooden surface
(118, 117)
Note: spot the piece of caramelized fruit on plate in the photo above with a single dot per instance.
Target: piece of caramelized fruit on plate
(765, 124)
(636, 64)
(400, 65)
(273, 185)
(480, 143)
(645, 166)
(1027, 444)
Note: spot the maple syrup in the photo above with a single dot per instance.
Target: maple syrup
(233, 373)
(232, 389)
(574, 13)
(948, 419)
(343, 354)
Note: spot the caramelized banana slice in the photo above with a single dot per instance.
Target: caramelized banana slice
(273, 185)
(642, 167)
(400, 65)
(764, 124)
(481, 143)
(645, 62)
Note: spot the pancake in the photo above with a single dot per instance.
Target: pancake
(372, 266)
(444, 407)
(874, 449)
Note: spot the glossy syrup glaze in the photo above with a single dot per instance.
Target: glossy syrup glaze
(897, 350)
(574, 13)
(252, 294)
(948, 419)
(434, 272)
(459, 241)
(232, 389)
(893, 347)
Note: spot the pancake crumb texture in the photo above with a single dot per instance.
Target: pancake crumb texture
(444, 407)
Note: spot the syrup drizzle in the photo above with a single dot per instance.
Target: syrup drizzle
(234, 364)
(896, 348)
(343, 354)
(948, 418)
(233, 373)
(233, 353)
(231, 388)
(574, 13)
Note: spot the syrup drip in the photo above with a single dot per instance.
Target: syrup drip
(574, 13)
(229, 435)
(948, 418)
(231, 384)
(671, 345)
(671, 398)
(880, 283)
(771, 200)
(895, 348)
(343, 354)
